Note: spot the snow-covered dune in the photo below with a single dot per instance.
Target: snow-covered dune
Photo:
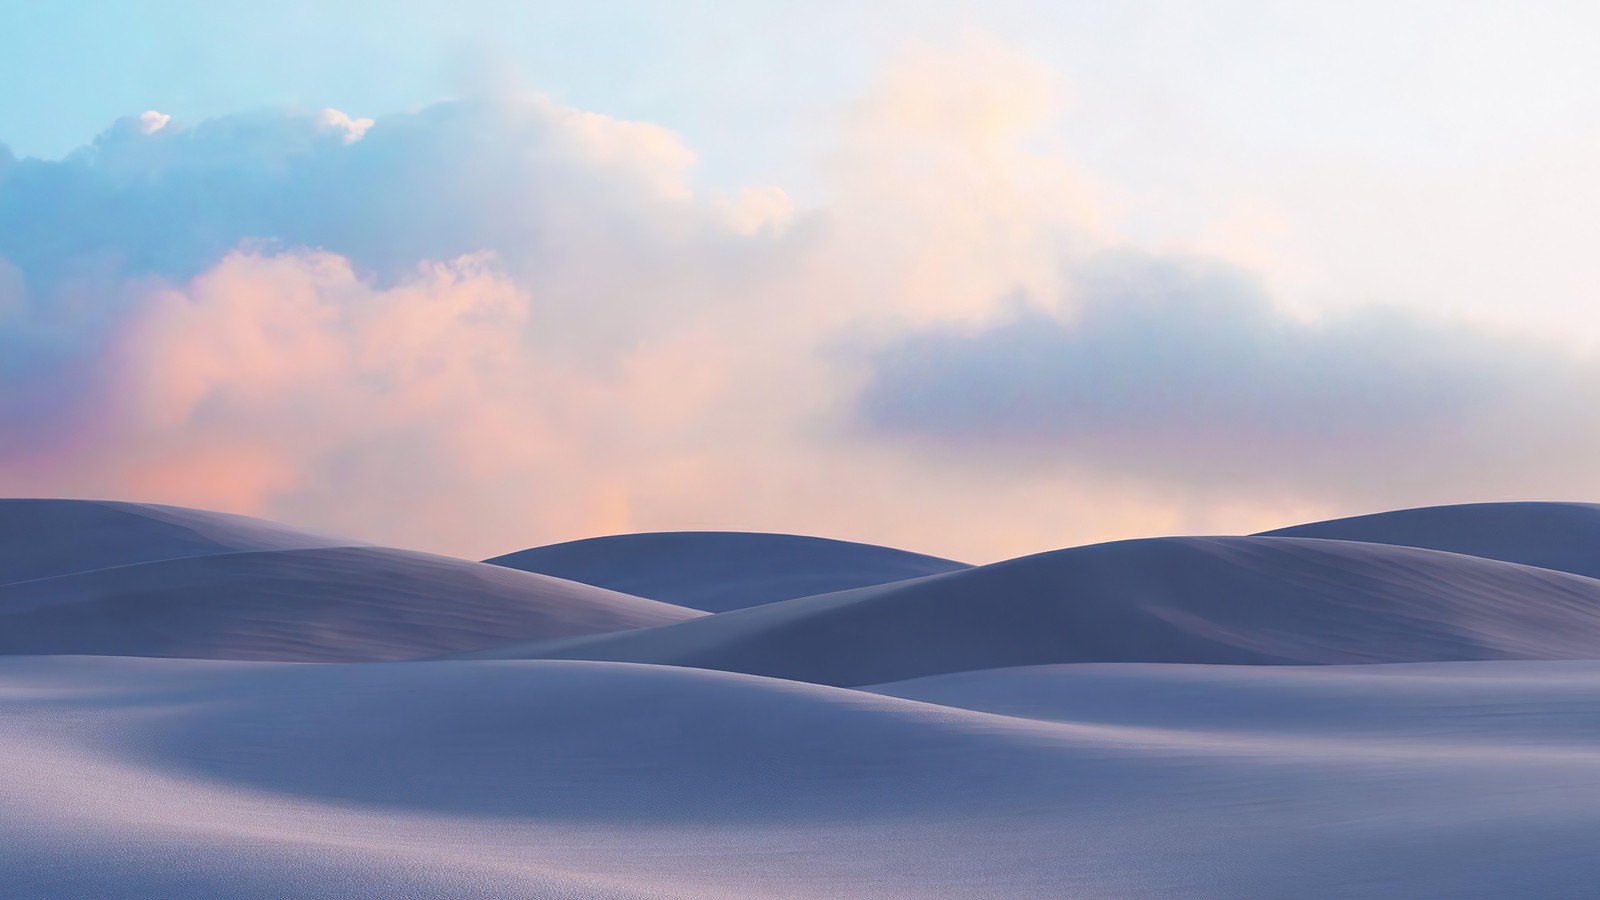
(722, 570)
(1224, 600)
(181, 778)
(337, 603)
(1561, 536)
(42, 538)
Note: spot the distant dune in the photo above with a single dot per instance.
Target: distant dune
(1220, 600)
(41, 538)
(722, 570)
(1561, 536)
(350, 604)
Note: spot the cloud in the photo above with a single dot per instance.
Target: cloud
(151, 121)
(349, 130)
(499, 321)
(949, 195)
(597, 209)
(456, 328)
(219, 313)
(1183, 372)
(272, 381)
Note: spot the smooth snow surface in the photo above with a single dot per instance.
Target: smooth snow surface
(722, 570)
(1561, 536)
(1218, 600)
(1127, 720)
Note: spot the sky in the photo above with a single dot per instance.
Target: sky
(971, 279)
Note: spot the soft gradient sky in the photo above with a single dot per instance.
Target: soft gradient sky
(973, 279)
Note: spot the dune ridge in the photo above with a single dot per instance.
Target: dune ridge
(348, 604)
(1215, 600)
(1560, 536)
(43, 538)
(717, 571)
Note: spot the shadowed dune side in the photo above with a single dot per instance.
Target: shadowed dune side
(721, 570)
(1560, 536)
(348, 604)
(578, 779)
(597, 742)
(1220, 600)
(44, 538)
(1405, 701)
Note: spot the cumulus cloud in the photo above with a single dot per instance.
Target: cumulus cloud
(594, 208)
(1183, 371)
(151, 121)
(451, 328)
(273, 378)
(416, 411)
(340, 123)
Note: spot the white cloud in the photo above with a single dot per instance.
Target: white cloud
(151, 121)
(349, 130)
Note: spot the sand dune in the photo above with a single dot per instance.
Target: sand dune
(1120, 720)
(340, 603)
(1399, 702)
(1221, 600)
(42, 538)
(570, 779)
(1561, 536)
(722, 570)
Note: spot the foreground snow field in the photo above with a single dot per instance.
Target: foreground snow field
(1197, 764)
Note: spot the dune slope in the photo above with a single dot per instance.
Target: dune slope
(44, 538)
(182, 778)
(722, 570)
(339, 603)
(1561, 536)
(1221, 600)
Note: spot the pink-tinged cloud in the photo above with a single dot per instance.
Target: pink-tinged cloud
(270, 379)
(501, 322)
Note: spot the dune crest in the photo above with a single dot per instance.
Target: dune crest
(44, 538)
(1217, 600)
(341, 604)
(718, 571)
(1560, 536)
